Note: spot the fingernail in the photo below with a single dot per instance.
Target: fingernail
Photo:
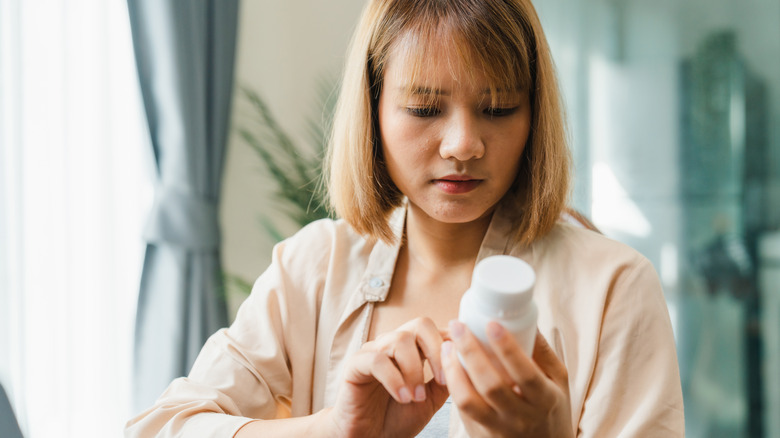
(456, 329)
(419, 393)
(442, 379)
(495, 330)
(405, 395)
(446, 351)
(516, 390)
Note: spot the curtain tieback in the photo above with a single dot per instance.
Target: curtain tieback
(183, 219)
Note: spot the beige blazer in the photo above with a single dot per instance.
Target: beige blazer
(600, 303)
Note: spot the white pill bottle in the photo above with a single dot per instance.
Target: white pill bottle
(501, 290)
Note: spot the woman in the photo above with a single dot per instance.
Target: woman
(448, 146)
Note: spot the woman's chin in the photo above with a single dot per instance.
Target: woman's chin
(458, 213)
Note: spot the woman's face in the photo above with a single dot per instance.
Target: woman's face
(456, 157)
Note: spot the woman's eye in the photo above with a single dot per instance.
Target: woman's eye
(501, 111)
(423, 111)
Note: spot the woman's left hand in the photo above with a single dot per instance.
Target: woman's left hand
(512, 395)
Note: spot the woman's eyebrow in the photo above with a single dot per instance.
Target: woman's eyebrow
(417, 90)
(503, 91)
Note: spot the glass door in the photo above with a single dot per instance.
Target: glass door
(674, 109)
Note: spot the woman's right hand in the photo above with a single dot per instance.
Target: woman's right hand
(383, 392)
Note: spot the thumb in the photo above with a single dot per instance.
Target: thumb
(548, 361)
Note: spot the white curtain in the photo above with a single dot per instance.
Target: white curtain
(75, 186)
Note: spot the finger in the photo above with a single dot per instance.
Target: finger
(463, 393)
(368, 366)
(485, 374)
(406, 354)
(548, 361)
(429, 340)
(530, 382)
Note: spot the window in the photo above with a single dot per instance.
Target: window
(75, 183)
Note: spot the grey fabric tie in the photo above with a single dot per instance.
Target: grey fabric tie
(184, 220)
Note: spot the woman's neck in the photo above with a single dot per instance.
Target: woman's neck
(436, 245)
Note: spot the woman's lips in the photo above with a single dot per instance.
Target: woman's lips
(456, 184)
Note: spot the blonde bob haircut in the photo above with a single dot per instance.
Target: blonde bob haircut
(504, 39)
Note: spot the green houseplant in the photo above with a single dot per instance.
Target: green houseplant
(295, 169)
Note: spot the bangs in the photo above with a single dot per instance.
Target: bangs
(490, 37)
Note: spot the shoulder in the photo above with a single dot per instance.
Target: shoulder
(320, 242)
(307, 265)
(578, 248)
(577, 265)
(323, 256)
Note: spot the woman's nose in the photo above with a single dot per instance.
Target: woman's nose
(462, 139)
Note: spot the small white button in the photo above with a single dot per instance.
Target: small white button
(376, 282)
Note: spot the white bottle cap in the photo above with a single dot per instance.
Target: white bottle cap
(503, 282)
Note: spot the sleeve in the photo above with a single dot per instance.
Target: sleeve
(635, 389)
(243, 372)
